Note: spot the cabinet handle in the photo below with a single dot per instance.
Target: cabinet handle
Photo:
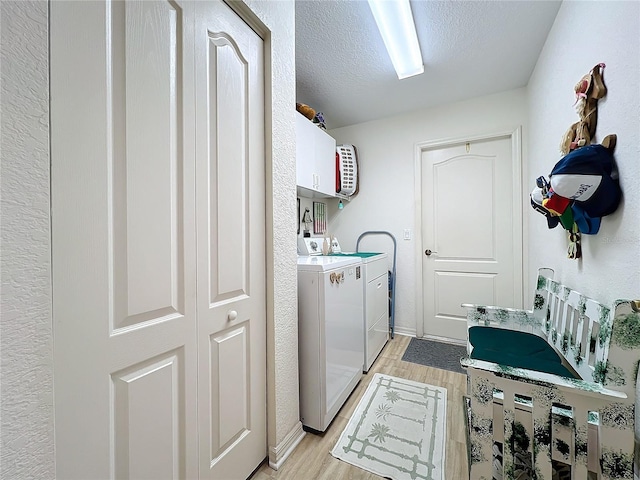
(379, 285)
(232, 315)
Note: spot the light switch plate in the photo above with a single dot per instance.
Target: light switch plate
(407, 234)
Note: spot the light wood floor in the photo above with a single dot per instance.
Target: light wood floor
(312, 458)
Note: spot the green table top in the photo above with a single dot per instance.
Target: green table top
(354, 254)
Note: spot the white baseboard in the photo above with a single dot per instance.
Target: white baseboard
(279, 453)
(453, 341)
(412, 333)
(407, 332)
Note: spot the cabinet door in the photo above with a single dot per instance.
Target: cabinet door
(305, 153)
(315, 159)
(325, 153)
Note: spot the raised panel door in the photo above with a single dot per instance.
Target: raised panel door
(230, 193)
(467, 227)
(123, 244)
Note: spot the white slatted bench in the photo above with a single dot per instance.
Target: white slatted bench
(533, 417)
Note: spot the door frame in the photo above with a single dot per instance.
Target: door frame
(521, 267)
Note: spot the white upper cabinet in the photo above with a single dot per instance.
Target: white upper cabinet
(315, 160)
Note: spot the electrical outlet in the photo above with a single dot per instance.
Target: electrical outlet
(407, 234)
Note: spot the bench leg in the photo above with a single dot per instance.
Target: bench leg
(481, 428)
(542, 439)
(580, 417)
(617, 442)
(512, 464)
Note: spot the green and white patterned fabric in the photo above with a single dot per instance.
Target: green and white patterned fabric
(398, 430)
(530, 424)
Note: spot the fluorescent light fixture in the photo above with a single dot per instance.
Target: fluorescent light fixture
(395, 22)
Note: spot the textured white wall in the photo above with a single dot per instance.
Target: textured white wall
(26, 347)
(386, 200)
(609, 268)
(584, 34)
(282, 331)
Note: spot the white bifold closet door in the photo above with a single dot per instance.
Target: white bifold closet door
(157, 138)
(230, 197)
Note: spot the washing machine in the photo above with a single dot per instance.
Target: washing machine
(330, 332)
(375, 294)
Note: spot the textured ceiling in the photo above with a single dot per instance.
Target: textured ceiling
(469, 48)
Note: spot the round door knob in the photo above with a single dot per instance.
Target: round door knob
(428, 252)
(232, 315)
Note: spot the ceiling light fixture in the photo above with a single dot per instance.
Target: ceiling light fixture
(395, 22)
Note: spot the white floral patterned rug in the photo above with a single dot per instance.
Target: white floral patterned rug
(398, 430)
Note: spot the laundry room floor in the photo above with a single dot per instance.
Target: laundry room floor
(312, 459)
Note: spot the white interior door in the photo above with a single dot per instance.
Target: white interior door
(231, 244)
(123, 242)
(468, 243)
(155, 377)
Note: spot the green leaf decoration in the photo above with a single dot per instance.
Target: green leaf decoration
(483, 390)
(519, 437)
(617, 415)
(501, 315)
(383, 411)
(581, 444)
(521, 317)
(615, 376)
(565, 343)
(600, 372)
(546, 396)
(576, 354)
(392, 395)
(605, 333)
(542, 432)
(582, 305)
(482, 427)
(626, 333)
(379, 432)
(538, 302)
(478, 316)
(562, 447)
(476, 452)
(616, 464)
